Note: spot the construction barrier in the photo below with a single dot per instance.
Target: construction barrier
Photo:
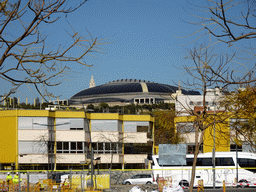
(224, 186)
(161, 183)
(200, 186)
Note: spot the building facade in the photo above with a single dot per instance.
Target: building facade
(42, 139)
(226, 136)
(184, 104)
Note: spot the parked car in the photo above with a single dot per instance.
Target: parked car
(139, 179)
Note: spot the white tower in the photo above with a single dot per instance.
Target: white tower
(92, 82)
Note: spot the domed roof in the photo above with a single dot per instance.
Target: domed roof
(130, 86)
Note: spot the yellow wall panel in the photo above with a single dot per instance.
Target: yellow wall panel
(222, 138)
(33, 113)
(69, 114)
(136, 118)
(104, 116)
(8, 139)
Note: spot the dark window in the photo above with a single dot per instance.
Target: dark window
(65, 146)
(142, 128)
(59, 145)
(189, 161)
(100, 146)
(247, 163)
(235, 147)
(107, 146)
(79, 146)
(206, 161)
(224, 161)
(73, 145)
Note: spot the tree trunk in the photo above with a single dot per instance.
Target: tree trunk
(198, 143)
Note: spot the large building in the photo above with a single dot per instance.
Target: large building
(37, 139)
(128, 91)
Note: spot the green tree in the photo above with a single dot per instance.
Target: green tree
(242, 105)
(165, 131)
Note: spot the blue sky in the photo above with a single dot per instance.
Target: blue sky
(144, 42)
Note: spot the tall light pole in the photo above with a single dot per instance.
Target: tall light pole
(90, 142)
(213, 150)
(51, 143)
(214, 142)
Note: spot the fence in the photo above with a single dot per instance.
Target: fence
(68, 180)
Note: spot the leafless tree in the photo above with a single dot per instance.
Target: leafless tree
(206, 70)
(230, 22)
(27, 56)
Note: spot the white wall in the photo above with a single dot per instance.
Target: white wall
(140, 137)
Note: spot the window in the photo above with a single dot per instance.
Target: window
(207, 161)
(102, 148)
(185, 127)
(70, 147)
(191, 103)
(32, 147)
(142, 129)
(224, 161)
(234, 147)
(250, 163)
(238, 123)
(33, 122)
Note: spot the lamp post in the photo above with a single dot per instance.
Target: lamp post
(51, 144)
(90, 142)
(214, 142)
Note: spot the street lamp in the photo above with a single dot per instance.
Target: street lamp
(90, 142)
(214, 140)
(51, 144)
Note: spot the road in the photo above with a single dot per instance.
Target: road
(228, 190)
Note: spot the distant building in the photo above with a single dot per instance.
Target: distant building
(128, 91)
(186, 103)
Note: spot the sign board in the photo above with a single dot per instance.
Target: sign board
(170, 154)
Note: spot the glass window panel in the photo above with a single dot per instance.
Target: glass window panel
(79, 146)
(25, 122)
(65, 146)
(77, 123)
(62, 124)
(40, 123)
(25, 147)
(39, 147)
(59, 145)
(107, 146)
(100, 146)
(73, 145)
(104, 125)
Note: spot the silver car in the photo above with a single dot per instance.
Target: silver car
(139, 179)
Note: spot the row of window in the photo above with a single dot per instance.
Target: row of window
(80, 147)
(79, 124)
(223, 161)
(199, 103)
(189, 127)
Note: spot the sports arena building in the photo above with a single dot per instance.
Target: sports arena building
(128, 91)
